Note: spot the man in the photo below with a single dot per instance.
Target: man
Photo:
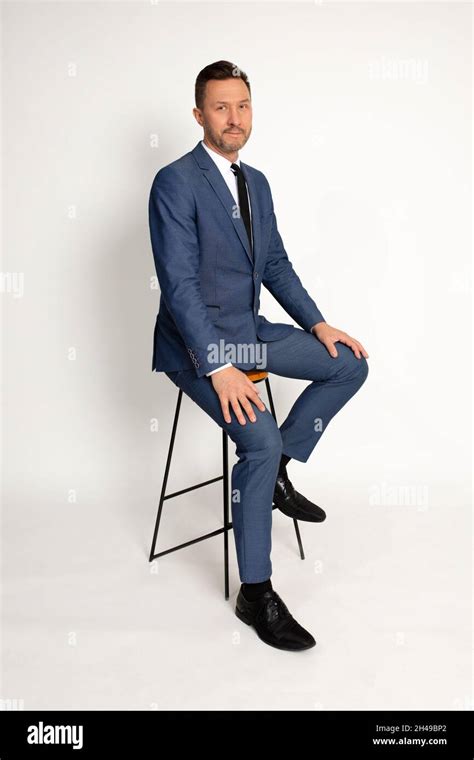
(215, 241)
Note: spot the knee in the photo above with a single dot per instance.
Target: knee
(363, 369)
(261, 439)
(351, 367)
(274, 444)
(267, 438)
(358, 371)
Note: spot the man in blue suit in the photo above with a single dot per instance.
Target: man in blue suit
(215, 241)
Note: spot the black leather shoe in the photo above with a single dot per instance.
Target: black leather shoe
(273, 622)
(294, 504)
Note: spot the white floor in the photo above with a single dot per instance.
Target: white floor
(88, 623)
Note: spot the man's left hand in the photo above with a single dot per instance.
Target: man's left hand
(330, 335)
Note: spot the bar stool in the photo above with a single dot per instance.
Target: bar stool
(256, 376)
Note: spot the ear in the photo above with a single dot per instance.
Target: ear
(197, 115)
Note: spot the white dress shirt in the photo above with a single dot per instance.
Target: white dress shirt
(223, 164)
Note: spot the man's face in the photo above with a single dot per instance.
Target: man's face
(226, 115)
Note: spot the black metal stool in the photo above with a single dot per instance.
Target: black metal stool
(255, 376)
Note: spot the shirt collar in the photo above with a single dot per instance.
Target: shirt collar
(222, 162)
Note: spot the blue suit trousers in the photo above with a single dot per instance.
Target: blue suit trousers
(259, 444)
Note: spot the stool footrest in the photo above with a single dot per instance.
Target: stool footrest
(193, 541)
(193, 488)
(216, 532)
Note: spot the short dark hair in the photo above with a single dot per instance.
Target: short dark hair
(217, 70)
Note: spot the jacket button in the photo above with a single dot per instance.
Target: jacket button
(255, 275)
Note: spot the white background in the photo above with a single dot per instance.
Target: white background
(362, 122)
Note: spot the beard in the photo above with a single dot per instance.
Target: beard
(229, 143)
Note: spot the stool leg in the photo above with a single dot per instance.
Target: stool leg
(295, 521)
(270, 398)
(225, 479)
(167, 469)
(298, 537)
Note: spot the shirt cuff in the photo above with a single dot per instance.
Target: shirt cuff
(229, 364)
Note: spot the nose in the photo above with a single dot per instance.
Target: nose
(234, 119)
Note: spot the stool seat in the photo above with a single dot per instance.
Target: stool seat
(255, 375)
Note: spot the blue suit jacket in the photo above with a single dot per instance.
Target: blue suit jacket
(210, 285)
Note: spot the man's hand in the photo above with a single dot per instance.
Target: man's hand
(330, 335)
(233, 386)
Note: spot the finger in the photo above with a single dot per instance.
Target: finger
(225, 409)
(246, 405)
(330, 347)
(254, 395)
(238, 411)
(257, 400)
(259, 403)
(252, 386)
(348, 341)
(361, 348)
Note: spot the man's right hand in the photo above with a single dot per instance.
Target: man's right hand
(233, 387)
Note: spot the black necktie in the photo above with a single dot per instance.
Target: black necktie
(243, 201)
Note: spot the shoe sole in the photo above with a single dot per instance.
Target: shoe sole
(303, 519)
(245, 620)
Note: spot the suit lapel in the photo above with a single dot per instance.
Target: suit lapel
(216, 180)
